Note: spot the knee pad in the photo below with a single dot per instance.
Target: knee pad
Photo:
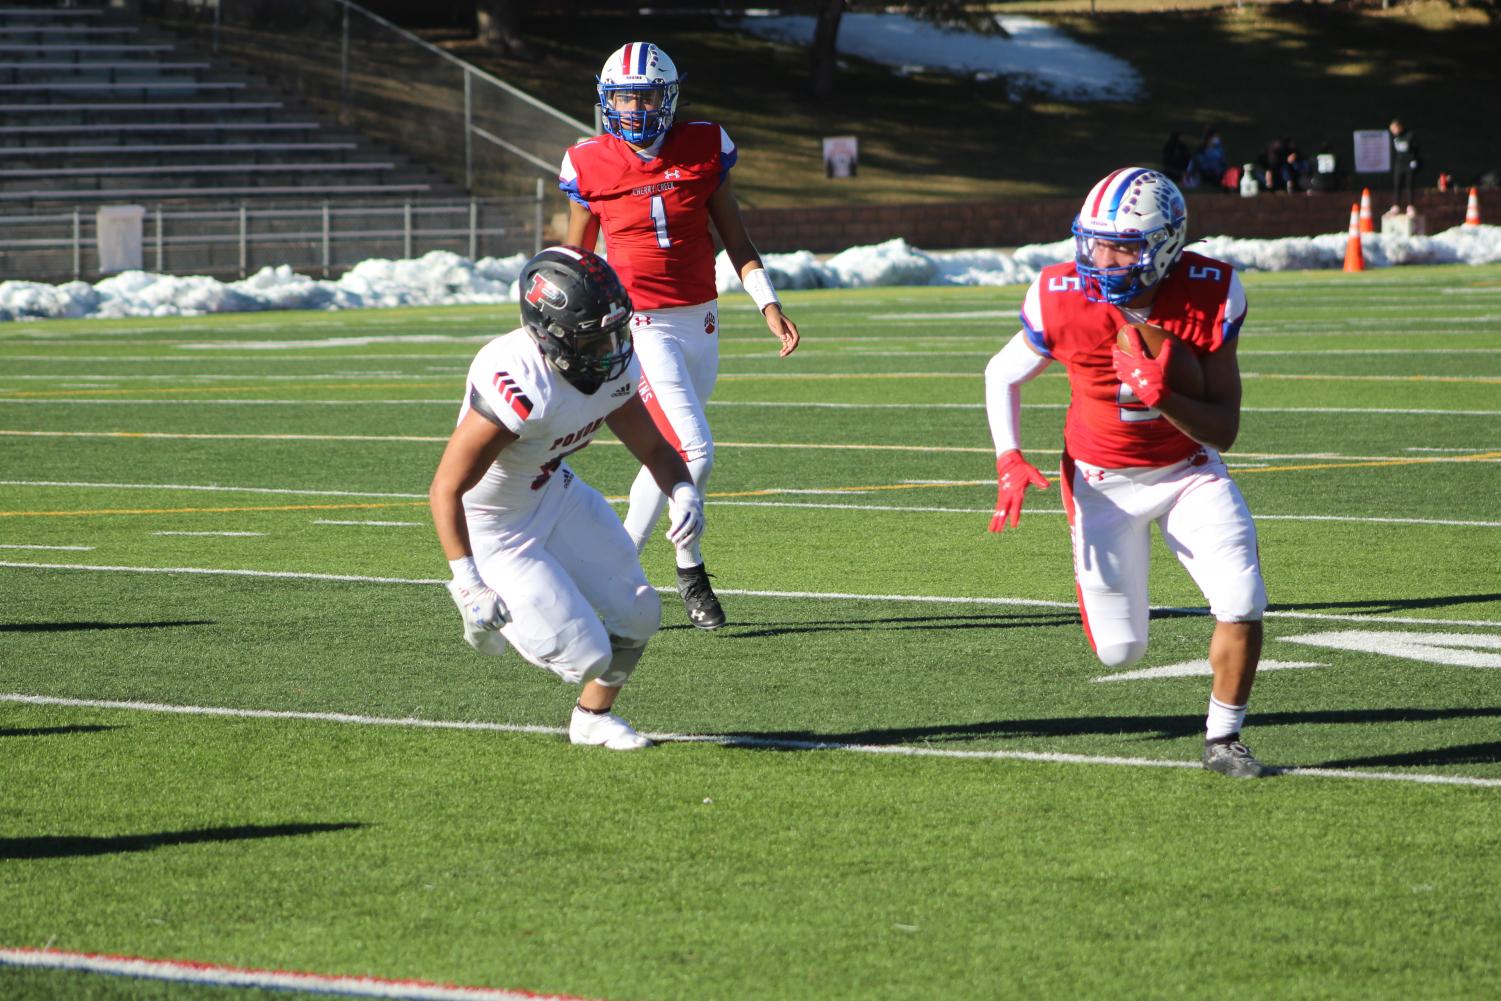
(1121, 654)
(640, 620)
(625, 654)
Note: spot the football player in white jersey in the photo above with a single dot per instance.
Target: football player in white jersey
(540, 561)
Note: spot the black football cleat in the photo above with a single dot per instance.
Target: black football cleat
(698, 597)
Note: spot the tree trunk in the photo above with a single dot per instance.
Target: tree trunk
(497, 24)
(823, 54)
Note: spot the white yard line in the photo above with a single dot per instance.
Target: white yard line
(215, 975)
(72, 549)
(725, 740)
(235, 535)
(932, 599)
(719, 404)
(727, 502)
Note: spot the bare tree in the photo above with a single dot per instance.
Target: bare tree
(823, 53)
(498, 24)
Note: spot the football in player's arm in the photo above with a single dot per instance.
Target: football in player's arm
(1132, 314)
(539, 560)
(653, 186)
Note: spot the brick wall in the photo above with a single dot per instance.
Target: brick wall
(942, 226)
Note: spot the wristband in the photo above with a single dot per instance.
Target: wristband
(758, 287)
(466, 573)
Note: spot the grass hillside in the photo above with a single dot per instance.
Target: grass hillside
(1313, 72)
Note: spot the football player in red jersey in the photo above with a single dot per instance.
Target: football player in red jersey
(1135, 451)
(653, 186)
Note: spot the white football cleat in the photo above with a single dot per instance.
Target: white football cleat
(605, 729)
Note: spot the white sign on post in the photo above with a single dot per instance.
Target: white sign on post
(118, 228)
(841, 155)
(1373, 151)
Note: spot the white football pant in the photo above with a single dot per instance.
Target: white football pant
(679, 352)
(1203, 519)
(560, 571)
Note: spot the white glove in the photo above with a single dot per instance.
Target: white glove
(478, 603)
(685, 508)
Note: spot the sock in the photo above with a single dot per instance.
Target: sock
(592, 712)
(1223, 722)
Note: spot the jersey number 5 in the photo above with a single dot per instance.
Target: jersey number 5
(1132, 410)
(659, 217)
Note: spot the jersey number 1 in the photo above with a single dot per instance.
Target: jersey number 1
(659, 216)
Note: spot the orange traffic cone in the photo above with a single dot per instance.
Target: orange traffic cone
(1354, 258)
(1367, 224)
(1472, 210)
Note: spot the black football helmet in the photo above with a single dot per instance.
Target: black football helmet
(579, 314)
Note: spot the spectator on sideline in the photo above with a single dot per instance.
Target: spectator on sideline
(1176, 157)
(1326, 175)
(654, 187)
(1405, 163)
(1210, 161)
(1136, 452)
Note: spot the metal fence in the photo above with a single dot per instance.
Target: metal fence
(351, 64)
(324, 239)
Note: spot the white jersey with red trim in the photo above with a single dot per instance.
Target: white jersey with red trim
(549, 417)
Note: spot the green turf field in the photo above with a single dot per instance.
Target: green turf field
(907, 775)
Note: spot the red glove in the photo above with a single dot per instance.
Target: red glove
(1013, 475)
(1146, 376)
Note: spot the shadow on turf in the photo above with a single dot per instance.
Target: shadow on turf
(1150, 727)
(68, 627)
(1391, 604)
(964, 621)
(47, 731)
(63, 846)
(1463, 754)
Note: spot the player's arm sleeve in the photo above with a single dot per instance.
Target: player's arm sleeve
(1235, 310)
(728, 154)
(1008, 370)
(568, 179)
(1032, 327)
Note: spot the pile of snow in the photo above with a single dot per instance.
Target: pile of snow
(1035, 57)
(442, 278)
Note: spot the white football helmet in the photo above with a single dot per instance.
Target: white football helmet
(643, 70)
(1135, 206)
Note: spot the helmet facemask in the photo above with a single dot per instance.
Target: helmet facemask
(638, 93)
(588, 360)
(575, 308)
(1134, 208)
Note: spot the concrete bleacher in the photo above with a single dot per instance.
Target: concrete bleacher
(95, 107)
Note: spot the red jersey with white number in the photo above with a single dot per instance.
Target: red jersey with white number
(1200, 302)
(654, 213)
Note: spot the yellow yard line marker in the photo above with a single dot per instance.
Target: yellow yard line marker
(221, 437)
(222, 388)
(1478, 457)
(209, 510)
